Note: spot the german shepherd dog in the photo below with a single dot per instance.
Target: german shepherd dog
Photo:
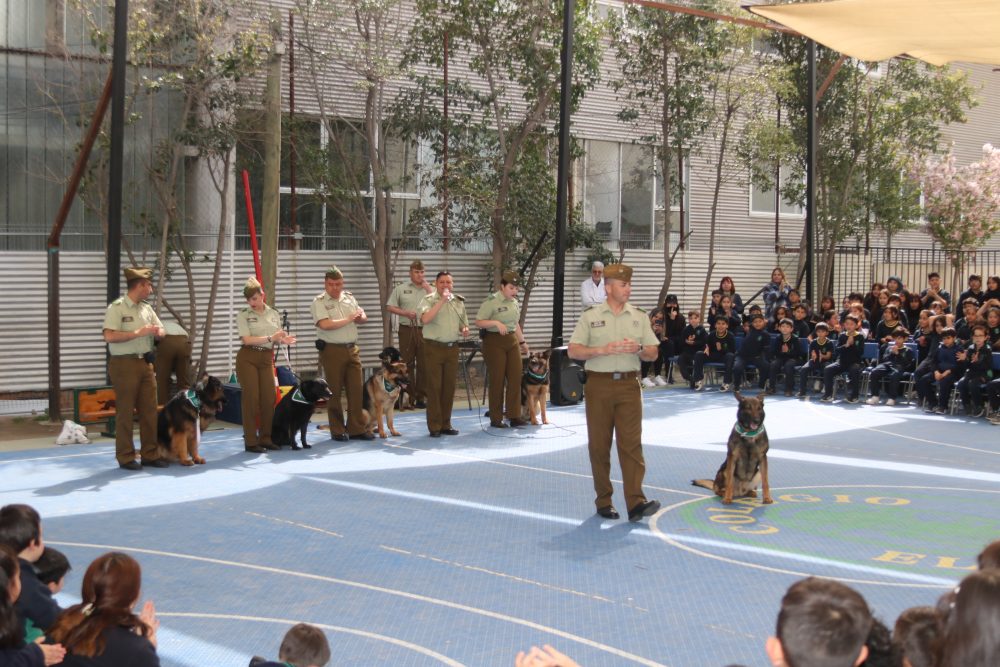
(293, 412)
(185, 416)
(535, 386)
(383, 389)
(746, 456)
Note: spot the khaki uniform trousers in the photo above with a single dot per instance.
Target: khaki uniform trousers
(411, 347)
(503, 362)
(342, 367)
(173, 356)
(442, 373)
(255, 373)
(135, 389)
(615, 407)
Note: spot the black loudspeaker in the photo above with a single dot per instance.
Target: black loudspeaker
(564, 378)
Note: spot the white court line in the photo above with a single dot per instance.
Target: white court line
(377, 589)
(646, 532)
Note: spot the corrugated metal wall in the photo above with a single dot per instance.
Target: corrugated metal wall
(300, 278)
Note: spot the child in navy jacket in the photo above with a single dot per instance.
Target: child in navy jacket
(786, 355)
(895, 361)
(850, 350)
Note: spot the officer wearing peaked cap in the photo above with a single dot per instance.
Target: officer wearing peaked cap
(337, 316)
(130, 329)
(403, 302)
(446, 324)
(503, 342)
(612, 338)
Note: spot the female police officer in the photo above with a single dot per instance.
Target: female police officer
(259, 327)
(502, 345)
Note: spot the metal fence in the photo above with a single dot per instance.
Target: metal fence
(855, 269)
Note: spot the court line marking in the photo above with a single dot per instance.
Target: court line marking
(673, 540)
(924, 580)
(814, 408)
(376, 589)
(294, 523)
(334, 628)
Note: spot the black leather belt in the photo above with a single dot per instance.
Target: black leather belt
(341, 344)
(135, 355)
(437, 342)
(259, 348)
(616, 375)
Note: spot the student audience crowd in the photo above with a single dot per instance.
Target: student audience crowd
(821, 622)
(894, 338)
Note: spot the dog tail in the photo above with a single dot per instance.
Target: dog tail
(704, 483)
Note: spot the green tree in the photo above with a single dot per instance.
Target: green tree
(358, 169)
(665, 59)
(191, 59)
(503, 89)
(870, 121)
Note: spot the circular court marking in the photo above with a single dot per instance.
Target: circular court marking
(919, 532)
(618, 653)
(443, 659)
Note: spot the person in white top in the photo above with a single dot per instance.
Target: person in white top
(592, 290)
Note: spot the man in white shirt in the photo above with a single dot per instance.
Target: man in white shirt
(592, 289)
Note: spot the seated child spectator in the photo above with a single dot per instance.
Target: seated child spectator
(971, 636)
(102, 630)
(14, 650)
(850, 351)
(992, 317)
(992, 288)
(821, 622)
(895, 286)
(800, 321)
(728, 288)
(720, 349)
(726, 310)
(786, 356)
(51, 569)
(833, 321)
(748, 320)
(713, 307)
(779, 313)
(895, 361)
(880, 303)
(21, 530)
(970, 317)
(304, 645)
(693, 340)
(826, 304)
(928, 338)
(989, 557)
(913, 306)
(864, 324)
(978, 362)
(794, 299)
(992, 392)
(820, 353)
(884, 330)
(882, 652)
(871, 299)
(975, 290)
(917, 631)
(945, 372)
(673, 327)
(753, 351)
(935, 293)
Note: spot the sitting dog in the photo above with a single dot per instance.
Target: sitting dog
(185, 416)
(383, 389)
(746, 456)
(293, 412)
(535, 386)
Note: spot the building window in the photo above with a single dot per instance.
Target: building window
(623, 197)
(762, 199)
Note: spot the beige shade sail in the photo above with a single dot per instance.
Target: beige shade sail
(935, 31)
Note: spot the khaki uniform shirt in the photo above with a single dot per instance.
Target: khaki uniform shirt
(125, 315)
(446, 327)
(496, 307)
(407, 296)
(251, 323)
(598, 325)
(325, 307)
(174, 329)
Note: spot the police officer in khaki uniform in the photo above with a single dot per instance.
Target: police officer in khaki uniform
(130, 327)
(337, 316)
(259, 328)
(445, 326)
(503, 343)
(403, 302)
(173, 357)
(612, 338)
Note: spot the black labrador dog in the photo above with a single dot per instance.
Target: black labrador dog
(293, 413)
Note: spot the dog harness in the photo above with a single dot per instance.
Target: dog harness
(748, 434)
(297, 397)
(192, 396)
